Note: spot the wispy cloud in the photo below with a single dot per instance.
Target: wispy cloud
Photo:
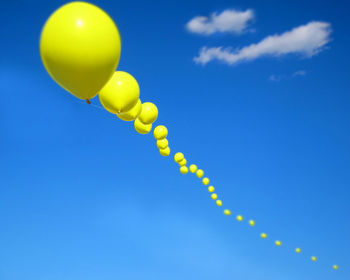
(306, 40)
(233, 21)
(299, 73)
(279, 77)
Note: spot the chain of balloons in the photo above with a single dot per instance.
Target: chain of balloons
(80, 47)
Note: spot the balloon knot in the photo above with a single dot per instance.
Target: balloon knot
(88, 101)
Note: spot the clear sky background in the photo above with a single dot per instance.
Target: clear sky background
(84, 196)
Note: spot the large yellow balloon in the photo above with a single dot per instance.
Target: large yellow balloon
(142, 128)
(149, 113)
(132, 114)
(120, 94)
(80, 47)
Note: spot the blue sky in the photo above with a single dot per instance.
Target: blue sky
(83, 196)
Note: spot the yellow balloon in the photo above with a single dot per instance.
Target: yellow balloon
(149, 113)
(132, 114)
(80, 47)
(160, 132)
(298, 250)
(240, 218)
(163, 143)
(278, 243)
(179, 157)
(313, 258)
(120, 94)
(336, 267)
(219, 202)
(164, 152)
(206, 181)
(252, 223)
(184, 169)
(263, 235)
(211, 188)
(200, 173)
(142, 128)
(227, 212)
(214, 196)
(183, 162)
(193, 168)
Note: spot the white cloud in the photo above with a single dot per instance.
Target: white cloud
(277, 78)
(299, 73)
(228, 21)
(307, 40)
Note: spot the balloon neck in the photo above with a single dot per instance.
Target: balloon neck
(88, 101)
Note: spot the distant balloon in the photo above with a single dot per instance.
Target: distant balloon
(160, 132)
(183, 162)
(120, 94)
(252, 223)
(298, 250)
(80, 47)
(314, 259)
(336, 267)
(142, 128)
(240, 218)
(227, 212)
(219, 202)
(162, 143)
(206, 181)
(165, 152)
(211, 189)
(278, 243)
(263, 235)
(184, 169)
(193, 168)
(179, 157)
(132, 114)
(214, 196)
(200, 173)
(149, 113)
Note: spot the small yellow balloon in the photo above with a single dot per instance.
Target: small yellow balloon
(163, 143)
(298, 250)
(142, 128)
(211, 189)
(184, 169)
(80, 47)
(314, 259)
(263, 235)
(227, 212)
(132, 114)
(206, 181)
(200, 173)
(278, 243)
(120, 94)
(149, 113)
(193, 168)
(160, 132)
(240, 218)
(252, 223)
(165, 152)
(336, 267)
(214, 196)
(179, 157)
(219, 202)
(183, 162)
